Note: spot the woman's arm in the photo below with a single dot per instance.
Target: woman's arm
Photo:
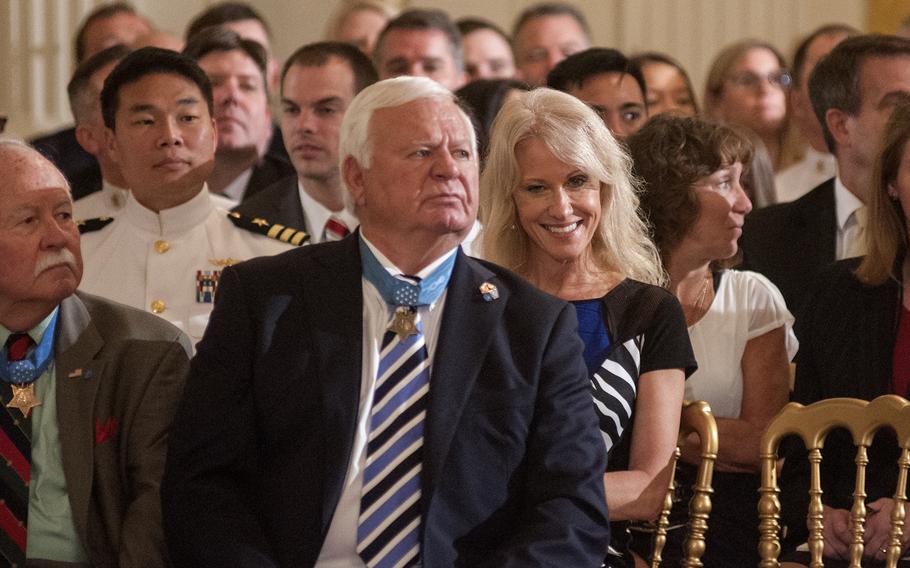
(766, 387)
(638, 493)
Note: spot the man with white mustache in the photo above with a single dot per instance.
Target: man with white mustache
(88, 390)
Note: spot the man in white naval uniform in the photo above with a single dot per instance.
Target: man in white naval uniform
(165, 250)
(84, 92)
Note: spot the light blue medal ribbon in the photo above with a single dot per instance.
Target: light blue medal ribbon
(29, 369)
(397, 292)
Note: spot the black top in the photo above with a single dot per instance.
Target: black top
(647, 333)
(846, 339)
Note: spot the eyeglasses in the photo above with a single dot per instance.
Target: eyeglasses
(749, 80)
(2, 123)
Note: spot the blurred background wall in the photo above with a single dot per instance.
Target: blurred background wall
(36, 35)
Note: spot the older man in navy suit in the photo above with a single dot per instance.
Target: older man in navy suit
(386, 400)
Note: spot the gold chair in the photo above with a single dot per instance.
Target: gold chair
(696, 418)
(812, 423)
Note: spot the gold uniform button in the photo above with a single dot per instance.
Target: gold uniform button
(162, 246)
(158, 307)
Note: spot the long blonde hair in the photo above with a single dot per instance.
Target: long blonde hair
(577, 136)
(886, 230)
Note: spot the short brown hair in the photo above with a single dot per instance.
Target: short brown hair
(318, 54)
(217, 39)
(886, 230)
(670, 154)
(835, 80)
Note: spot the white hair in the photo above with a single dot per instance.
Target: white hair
(355, 138)
(14, 145)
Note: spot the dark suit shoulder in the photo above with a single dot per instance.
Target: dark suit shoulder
(118, 322)
(524, 296)
(269, 194)
(277, 203)
(836, 285)
(270, 168)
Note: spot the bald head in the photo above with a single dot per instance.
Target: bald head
(39, 241)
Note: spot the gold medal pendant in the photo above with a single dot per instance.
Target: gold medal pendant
(24, 398)
(405, 323)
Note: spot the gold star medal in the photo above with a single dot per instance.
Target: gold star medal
(405, 323)
(24, 398)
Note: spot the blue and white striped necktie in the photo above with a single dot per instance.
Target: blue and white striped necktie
(388, 532)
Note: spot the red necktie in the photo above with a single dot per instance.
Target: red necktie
(334, 230)
(16, 451)
(17, 346)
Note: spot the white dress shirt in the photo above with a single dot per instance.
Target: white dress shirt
(150, 260)
(846, 204)
(803, 176)
(340, 547)
(316, 214)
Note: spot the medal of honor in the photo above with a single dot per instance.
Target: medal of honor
(24, 398)
(404, 325)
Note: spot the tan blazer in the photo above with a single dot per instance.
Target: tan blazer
(120, 374)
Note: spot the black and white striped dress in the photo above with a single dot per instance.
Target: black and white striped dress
(647, 332)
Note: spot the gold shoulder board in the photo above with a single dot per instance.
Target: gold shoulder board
(275, 231)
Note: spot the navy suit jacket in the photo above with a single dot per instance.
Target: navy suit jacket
(513, 463)
(277, 203)
(791, 242)
(78, 166)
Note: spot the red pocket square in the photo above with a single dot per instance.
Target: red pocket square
(104, 431)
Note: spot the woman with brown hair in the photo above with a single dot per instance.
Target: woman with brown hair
(738, 323)
(747, 86)
(855, 342)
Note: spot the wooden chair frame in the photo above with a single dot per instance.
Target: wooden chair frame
(696, 418)
(812, 423)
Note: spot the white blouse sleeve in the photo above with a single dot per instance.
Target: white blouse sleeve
(768, 310)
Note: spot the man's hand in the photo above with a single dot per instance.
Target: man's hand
(837, 532)
(878, 528)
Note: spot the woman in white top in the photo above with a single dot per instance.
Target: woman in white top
(738, 323)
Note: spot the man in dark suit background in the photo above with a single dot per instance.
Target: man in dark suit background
(853, 91)
(318, 83)
(386, 398)
(88, 391)
(245, 161)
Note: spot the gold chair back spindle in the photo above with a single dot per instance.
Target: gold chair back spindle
(812, 424)
(696, 418)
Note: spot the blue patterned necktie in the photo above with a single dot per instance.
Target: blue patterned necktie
(388, 532)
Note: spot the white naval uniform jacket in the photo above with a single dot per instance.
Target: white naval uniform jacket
(158, 262)
(109, 202)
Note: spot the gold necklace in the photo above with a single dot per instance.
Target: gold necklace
(701, 296)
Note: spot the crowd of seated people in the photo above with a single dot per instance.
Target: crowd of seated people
(445, 305)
